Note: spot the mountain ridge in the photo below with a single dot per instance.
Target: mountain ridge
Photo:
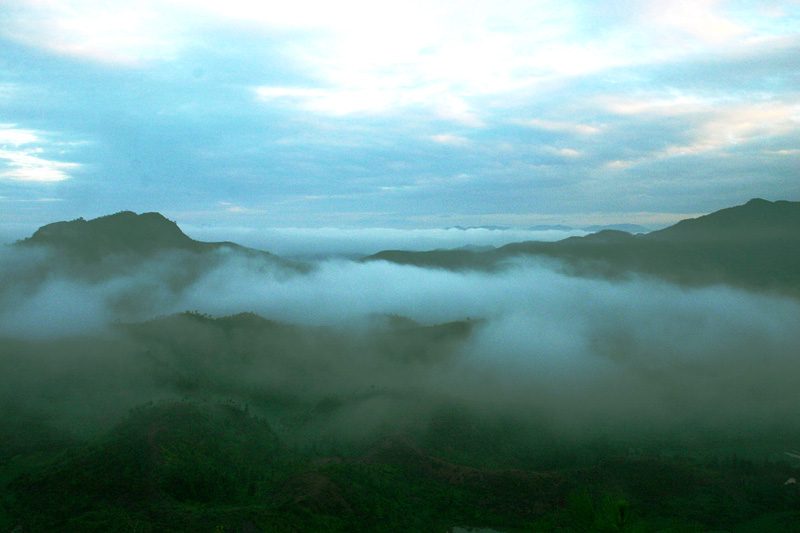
(756, 219)
(755, 245)
(630, 228)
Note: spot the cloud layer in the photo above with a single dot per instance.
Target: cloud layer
(574, 354)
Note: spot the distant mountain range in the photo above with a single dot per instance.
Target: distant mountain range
(755, 245)
(630, 228)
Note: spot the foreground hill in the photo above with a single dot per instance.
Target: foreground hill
(194, 466)
(755, 245)
(305, 373)
(244, 424)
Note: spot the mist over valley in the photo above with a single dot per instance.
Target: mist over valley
(430, 267)
(534, 356)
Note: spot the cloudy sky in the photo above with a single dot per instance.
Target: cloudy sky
(415, 114)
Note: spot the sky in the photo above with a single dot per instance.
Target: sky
(238, 116)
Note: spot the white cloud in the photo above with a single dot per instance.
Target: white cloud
(373, 96)
(567, 152)
(713, 124)
(699, 19)
(21, 166)
(450, 140)
(10, 135)
(107, 32)
(22, 159)
(792, 151)
(744, 123)
(671, 104)
(633, 350)
(456, 109)
(342, 101)
(581, 352)
(446, 55)
(553, 125)
(370, 56)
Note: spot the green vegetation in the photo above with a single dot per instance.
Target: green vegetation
(242, 437)
(189, 466)
(243, 424)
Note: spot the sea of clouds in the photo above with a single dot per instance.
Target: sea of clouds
(628, 352)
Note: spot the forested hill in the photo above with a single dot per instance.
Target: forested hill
(755, 245)
(123, 232)
(107, 246)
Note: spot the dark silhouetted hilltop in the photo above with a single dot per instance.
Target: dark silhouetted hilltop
(109, 245)
(123, 232)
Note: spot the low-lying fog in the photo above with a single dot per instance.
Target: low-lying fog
(570, 352)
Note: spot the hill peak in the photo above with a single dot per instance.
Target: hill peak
(125, 231)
